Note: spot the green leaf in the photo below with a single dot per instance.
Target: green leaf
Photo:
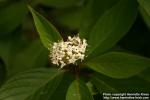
(112, 26)
(145, 75)
(46, 30)
(8, 16)
(92, 12)
(63, 87)
(50, 91)
(119, 64)
(78, 91)
(145, 10)
(47, 91)
(145, 15)
(146, 5)
(25, 85)
(107, 84)
(101, 85)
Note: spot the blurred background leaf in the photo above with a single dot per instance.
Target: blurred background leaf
(11, 17)
(69, 18)
(59, 4)
(137, 39)
(20, 54)
(2, 72)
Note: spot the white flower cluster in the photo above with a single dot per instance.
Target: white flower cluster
(63, 53)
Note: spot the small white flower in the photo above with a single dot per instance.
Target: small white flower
(63, 53)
